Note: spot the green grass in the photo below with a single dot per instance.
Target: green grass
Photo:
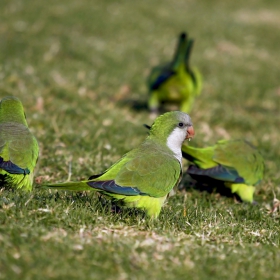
(78, 67)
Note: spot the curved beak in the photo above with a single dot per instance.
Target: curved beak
(190, 132)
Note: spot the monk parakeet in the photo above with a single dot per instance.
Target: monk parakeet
(175, 82)
(143, 177)
(19, 149)
(235, 162)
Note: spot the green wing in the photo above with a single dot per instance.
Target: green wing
(18, 145)
(154, 173)
(241, 156)
(202, 157)
(237, 155)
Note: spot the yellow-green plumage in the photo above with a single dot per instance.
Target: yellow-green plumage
(18, 147)
(235, 162)
(175, 82)
(143, 177)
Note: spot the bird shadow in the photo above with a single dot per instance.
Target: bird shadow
(5, 183)
(206, 184)
(142, 105)
(134, 104)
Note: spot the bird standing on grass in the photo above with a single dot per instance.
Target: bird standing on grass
(19, 149)
(143, 177)
(175, 82)
(235, 162)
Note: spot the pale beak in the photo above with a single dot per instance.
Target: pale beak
(190, 132)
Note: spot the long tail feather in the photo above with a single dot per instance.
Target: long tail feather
(188, 54)
(70, 186)
(179, 55)
(109, 187)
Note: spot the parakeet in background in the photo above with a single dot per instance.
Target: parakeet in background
(175, 82)
(235, 162)
(143, 177)
(19, 149)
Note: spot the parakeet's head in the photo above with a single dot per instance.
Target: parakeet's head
(174, 127)
(11, 110)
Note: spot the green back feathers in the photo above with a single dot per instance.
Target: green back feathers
(241, 155)
(19, 149)
(11, 110)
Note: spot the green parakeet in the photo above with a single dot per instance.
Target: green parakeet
(175, 82)
(235, 162)
(19, 149)
(143, 177)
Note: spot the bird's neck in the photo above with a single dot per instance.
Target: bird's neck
(175, 147)
(170, 145)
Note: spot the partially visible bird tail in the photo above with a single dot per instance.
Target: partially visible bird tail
(188, 54)
(190, 153)
(245, 192)
(70, 186)
(199, 156)
(193, 72)
(179, 56)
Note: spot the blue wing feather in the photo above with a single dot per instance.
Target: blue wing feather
(12, 168)
(161, 79)
(111, 187)
(218, 172)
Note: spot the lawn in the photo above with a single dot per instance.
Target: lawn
(80, 68)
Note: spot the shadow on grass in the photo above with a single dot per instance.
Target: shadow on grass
(135, 104)
(142, 105)
(206, 184)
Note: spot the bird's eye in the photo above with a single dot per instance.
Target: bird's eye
(180, 124)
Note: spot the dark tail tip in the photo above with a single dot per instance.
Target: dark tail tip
(183, 35)
(188, 53)
(147, 126)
